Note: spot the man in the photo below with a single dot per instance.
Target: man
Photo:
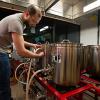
(11, 30)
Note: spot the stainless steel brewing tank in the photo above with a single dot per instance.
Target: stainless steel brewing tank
(87, 57)
(96, 59)
(91, 59)
(67, 59)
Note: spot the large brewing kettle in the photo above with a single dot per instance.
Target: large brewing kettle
(66, 57)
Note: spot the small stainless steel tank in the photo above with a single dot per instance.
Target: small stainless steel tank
(47, 59)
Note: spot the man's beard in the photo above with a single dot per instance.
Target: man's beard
(27, 24)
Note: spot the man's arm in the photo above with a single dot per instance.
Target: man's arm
(20, 46)
(27, 44)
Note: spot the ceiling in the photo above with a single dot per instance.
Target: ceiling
(69, 9)
(71, 2)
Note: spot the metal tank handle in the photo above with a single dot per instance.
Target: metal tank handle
(47, 42)
(65, 41)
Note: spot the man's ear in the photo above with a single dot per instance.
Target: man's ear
(26, 14)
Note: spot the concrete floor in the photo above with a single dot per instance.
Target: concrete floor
(19, 94)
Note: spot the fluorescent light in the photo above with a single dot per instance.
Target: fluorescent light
(24, 34)
(44, 28)
(91, 6)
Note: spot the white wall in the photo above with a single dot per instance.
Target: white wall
(88, 33)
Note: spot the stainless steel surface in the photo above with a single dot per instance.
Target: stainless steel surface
(66, 61)
(91, 59)
(96, 60)
(65, 58)
(46, 62)
(47, 59)
(87, 57)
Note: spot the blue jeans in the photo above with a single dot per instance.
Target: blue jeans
(5, 69)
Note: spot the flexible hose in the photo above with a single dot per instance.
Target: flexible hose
(28, 75)
(28, 85)
(20, 77)
(20, 65)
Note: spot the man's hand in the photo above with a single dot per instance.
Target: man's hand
(27, 44)
(35, 46)
(39, 52)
